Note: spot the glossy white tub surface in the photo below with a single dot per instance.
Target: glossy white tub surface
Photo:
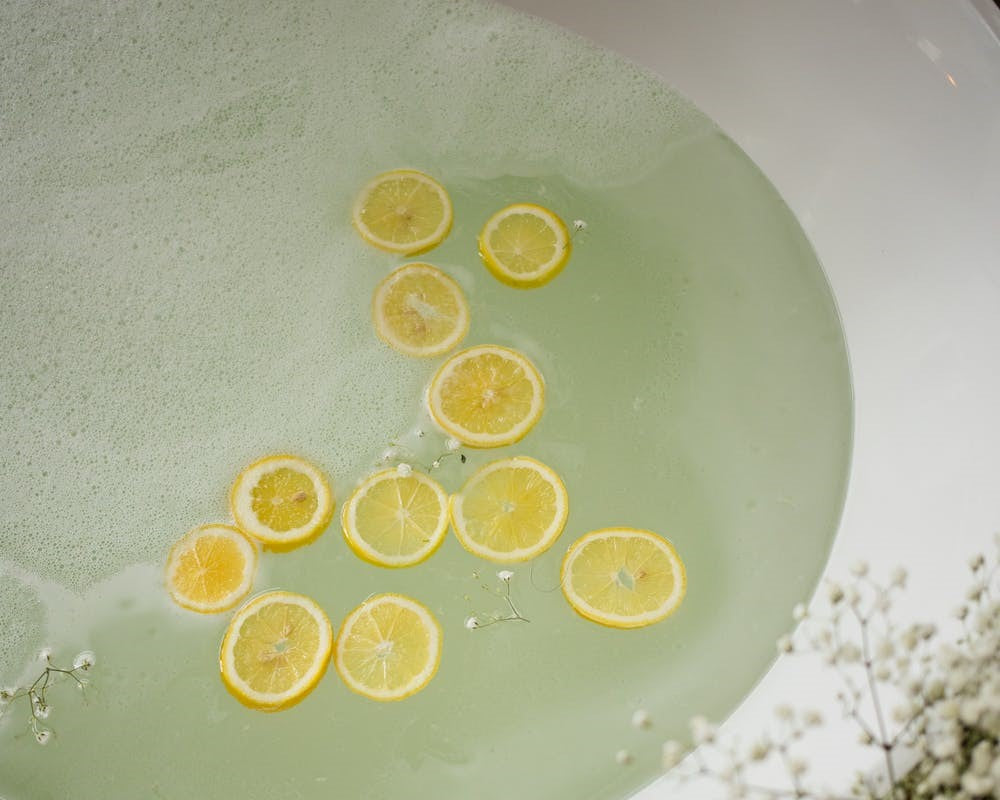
(879, 123)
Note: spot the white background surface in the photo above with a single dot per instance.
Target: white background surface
(879, 123)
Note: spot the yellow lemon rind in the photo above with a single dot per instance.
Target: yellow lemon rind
(471, 438)
(409, 248)
(238, 688)
(366, 553)
(550, 536)
(541, 276)
(231, 600)
(246, 521)
(385, 334)
(585, 610)
(417, 684)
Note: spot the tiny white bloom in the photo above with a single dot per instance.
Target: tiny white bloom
(897, 577)
(702, 731)
(784, 712)
(799, 612)
(760, 750)
(45, 654)
(812, 718)
(974, 592)
(797, 766)
(42, 736)
(835, 593)
(505, 575)
(785, 644)
(882, 672)
(579, 225)
(859, 568)
(7, 694)
(471, 622)
(404, 470)
(84, 660)
(390, 454)
(451, 444)
(960, 612)
(436, 463)
(976, 562)
(865, 738)
(623, 757)
(641, 719)
(672, 754)
(853, 596)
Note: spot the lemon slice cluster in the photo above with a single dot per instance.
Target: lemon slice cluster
(623, 577)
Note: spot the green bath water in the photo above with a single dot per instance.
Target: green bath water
(183, 293)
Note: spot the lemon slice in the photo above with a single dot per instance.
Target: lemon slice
(389, 647)
(395, 520)
(623, 577)
(403, 211)
(281, 501)
(510, 510)
(524, 245)
(211, 568)
(487, 396)
(275, 650)
(420, 311)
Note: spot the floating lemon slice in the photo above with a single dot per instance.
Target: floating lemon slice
(487, 396)
(510, 510)
(281, 501)
(403, 211)
(211, 568)
(524, 245)
(623, 577)
(275, 650)
(395, 520)
(389, 647)
(420, 311)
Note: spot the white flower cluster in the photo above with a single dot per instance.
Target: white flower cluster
(928, 706)
(36, 692)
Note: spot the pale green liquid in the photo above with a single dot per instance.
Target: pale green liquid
(183, 293)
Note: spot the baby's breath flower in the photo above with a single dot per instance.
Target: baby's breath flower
(84, 660)
(641, 719)
(623, 757)
(897, 578)
(799, 612)
(702, 731)
(471, 623)
(404, 470)
(976, 562)
(784, 712)
(835, 593)
(859, 569)
(579, 225)
(865, 738)
(812, 718)
(45, 654)
(672, 754)
(759, 750)
(505, 575)
(41, 710)
(797, 766)
(975, 592)
(785, 644)
(42, 736)
(960, 612)
(451, 444)
(7, 694)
